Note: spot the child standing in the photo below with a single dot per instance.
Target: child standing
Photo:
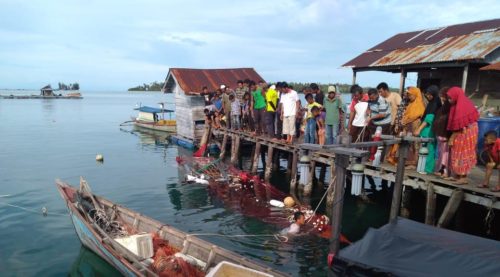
(235, 112)
(245, 112)
(320, 124)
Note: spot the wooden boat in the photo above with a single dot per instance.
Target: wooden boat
(153, 118)
(88, 213)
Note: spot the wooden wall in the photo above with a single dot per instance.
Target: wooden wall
(189, 114)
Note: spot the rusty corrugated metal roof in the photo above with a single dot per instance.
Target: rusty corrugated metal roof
(468, 41)
(192, 80)
(494, 66)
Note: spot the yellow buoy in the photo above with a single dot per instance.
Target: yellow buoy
(99, 158)
(289, 202)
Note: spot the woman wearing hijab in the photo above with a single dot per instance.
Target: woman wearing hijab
(462, 122)
(442, 135)
(425, 128)
(411, 121)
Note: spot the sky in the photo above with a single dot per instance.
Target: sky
(114, 45)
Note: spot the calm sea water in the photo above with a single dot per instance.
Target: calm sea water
(41, 140)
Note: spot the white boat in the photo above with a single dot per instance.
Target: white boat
(154, 118)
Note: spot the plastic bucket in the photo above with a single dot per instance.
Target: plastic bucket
(485, 125)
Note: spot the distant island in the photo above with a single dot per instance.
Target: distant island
(154, 86)
(63, 86)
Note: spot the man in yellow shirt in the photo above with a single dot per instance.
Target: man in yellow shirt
(310, 132)
(271, 106)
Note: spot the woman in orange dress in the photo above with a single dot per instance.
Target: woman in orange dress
(462, 122)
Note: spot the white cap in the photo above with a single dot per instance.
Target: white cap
(272, 87)
(222, 86)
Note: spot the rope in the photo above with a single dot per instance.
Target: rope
(278, 237)
(323, 197)
(361, 134)
(43, 211)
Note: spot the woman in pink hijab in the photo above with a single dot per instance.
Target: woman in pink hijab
(462, 122)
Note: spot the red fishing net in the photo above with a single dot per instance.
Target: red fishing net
(167, 265)
(251, 196)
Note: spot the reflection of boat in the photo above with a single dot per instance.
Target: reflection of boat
(108, 230)
(153, 118)
(89, 264)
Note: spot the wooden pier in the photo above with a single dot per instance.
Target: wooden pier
(340, 158)
(324, 157)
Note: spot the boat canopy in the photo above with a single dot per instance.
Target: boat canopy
(146, 109)
(409, 248)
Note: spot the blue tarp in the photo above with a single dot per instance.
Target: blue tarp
(146, 109)
(409, 248)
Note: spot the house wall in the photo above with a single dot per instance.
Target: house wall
(189, 114)
(479, 83)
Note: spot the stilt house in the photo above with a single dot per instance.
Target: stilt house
(444, 56)
(187, 84)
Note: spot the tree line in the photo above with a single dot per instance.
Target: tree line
(63, 86)
(154, 86)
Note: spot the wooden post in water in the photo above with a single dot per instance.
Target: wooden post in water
(451, 208)
(322, 174)
(310, 181)
(255, 159)
(276, 161)
(236, 150)
(341, 164)
(224, 145)
(289, 163)
(430, 207)
(405, 202)
(398, 184)
(269, 163)
(293, 175)
(329, 195)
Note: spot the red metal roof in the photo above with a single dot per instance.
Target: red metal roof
(192, 80)
(468, 41)
(494, 66)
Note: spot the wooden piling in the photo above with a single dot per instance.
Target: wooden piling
(430, 207)
(398, 184)
(276, 161)
(255, 160)
(329, 195)
(322, 174)
(341, 163)
(405, 202)
(309, 186)
(451, 208)
(293, 175)
(289, 161)
(235, 150)
(224, 145)
(269, 163)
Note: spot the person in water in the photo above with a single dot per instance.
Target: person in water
(294, 228)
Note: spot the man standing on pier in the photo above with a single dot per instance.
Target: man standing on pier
(240, 91)
(258, 108)
(391, 97)
(379, 113)
(289, 108)
(271, 107)
(319, 96)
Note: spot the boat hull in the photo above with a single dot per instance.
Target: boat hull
(152, 126)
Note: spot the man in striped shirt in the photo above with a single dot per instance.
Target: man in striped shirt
(379, 113)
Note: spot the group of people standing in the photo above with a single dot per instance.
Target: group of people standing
(446, 115)
(276, 111)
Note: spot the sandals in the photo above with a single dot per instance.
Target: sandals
(495, 189)
(483, 186)
(462, 181)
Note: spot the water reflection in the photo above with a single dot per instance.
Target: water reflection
(89, 264)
